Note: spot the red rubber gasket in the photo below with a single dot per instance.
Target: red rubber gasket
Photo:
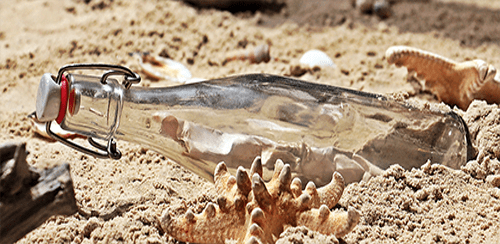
(64, 100)
(71, 103)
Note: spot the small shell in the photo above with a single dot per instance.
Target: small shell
(39, 128)
(159, 68)
(382, 9)
(316, 58)
(255, 55)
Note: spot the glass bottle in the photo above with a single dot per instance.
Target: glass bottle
(315, 128)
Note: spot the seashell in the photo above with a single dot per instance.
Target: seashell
(159, 68)
(39, 128)
(382, 9)
(316, 58)
(254, 55)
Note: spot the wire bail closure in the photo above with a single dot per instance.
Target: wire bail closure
(103, 151)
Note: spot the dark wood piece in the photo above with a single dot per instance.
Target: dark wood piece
(29, 196)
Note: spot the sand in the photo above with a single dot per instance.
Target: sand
(428, 205)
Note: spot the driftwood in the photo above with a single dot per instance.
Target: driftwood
(29, 196)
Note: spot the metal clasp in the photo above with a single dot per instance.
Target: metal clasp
(103, 151)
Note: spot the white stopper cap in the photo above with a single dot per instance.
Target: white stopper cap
(48, 99)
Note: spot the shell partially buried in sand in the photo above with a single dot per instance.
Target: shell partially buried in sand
(316, 58)
(255, 55)
(40, 129)
(159, 68)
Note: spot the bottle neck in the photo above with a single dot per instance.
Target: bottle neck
(93, 109)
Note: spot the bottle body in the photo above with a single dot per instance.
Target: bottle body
(317, 129)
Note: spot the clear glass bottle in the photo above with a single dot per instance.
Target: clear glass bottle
(314, 128)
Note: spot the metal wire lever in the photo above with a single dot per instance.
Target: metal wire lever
(130, 77)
